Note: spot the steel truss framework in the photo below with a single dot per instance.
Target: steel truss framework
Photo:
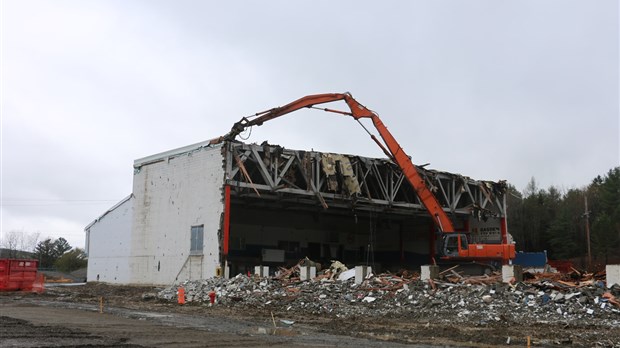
(275, 173)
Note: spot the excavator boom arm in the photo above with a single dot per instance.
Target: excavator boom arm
(390, 146)
(403, 161)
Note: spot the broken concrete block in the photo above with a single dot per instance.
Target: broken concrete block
(346, 275)
(307, 272)
(361, 272)
(147, 296)
(429, 272)
(369, 299)
(613, 275)
(512, 273)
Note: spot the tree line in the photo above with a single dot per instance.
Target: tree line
(558, 221)
(51, 253)
(58, 254)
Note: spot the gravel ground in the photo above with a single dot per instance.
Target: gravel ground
(340, 314)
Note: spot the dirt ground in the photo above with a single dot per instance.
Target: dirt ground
(70, 316)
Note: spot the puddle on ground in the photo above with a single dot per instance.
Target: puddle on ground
(279, 331)
(149, 315)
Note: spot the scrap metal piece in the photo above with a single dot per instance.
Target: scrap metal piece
(245, 173)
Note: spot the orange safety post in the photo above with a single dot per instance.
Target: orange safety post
(181, 293)
(39, 283)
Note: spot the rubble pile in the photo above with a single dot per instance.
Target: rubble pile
(482, 299)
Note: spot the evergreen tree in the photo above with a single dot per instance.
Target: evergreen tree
(48, 251)
(605, 231)
(553, 220)
(537, 213)
(61, 246)
(561, 241)
(71, 260)
(565, 231)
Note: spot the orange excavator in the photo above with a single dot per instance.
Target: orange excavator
(454, 246)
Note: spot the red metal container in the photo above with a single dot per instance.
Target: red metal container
(20, 274)
(563, 266)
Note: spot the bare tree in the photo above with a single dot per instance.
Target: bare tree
(17, 242)
(11, 242)
(30, 241)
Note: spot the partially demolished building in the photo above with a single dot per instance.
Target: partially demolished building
(205, 208)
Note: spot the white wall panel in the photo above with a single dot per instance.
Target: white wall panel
(172, 196)
(109, 245)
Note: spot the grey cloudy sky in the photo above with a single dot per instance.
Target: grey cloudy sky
(489, 89)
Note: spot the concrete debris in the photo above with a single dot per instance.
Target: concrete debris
(148, 296)
(346, 275)
(546, 298)
(287, 322)
(337, 267)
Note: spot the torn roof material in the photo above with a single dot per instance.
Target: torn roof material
(349, 180)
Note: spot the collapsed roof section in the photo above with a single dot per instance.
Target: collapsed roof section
(271, 172)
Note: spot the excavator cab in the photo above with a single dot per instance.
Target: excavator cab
(453, 243)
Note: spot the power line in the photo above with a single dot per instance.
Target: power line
(54, 205)
(57, 200)
(53, 202)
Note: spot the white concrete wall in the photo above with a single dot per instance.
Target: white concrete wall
(109, 244)
(171, 196)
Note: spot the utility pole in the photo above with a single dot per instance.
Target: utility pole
(587, 215)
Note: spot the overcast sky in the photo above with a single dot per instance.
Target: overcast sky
(495, 90)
